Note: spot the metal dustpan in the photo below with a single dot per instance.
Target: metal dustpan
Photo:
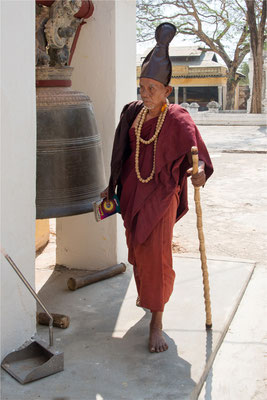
(35, 359)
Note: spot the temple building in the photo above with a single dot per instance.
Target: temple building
(197, 76)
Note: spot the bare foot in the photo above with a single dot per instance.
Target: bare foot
(157, 343)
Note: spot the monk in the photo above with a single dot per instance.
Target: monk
(151, 161)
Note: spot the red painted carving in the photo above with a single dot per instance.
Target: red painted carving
(85, 11)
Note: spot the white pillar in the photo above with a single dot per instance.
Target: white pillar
(105, 68)
(18, 176)
(176, 99)
(250, 77)
(264, 83)
(220, 95)
(184, 95)
(224, 90)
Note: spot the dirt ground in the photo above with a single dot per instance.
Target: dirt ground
(234, 200)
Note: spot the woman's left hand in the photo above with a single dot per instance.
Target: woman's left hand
(199, 178)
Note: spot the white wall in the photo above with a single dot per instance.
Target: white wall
(104, 68)
(18, 159)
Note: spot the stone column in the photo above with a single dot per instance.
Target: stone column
(236, 104)
(184, 94)
(220, 95)
(102, 71)
(224, 96)
(176, 98)
(250, 77)
(264, 83)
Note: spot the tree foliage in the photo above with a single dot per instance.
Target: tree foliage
(244, 69)
(221, 25)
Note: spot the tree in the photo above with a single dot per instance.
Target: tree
(256, 18)
(222, 25)
(244, 69)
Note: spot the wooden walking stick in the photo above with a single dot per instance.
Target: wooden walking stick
(202, 249)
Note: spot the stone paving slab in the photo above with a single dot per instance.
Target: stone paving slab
(105, 347)
(239, 370)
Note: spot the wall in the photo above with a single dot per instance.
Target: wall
(18, 159)
(243, 97)
(229, 118)
(42, 233)
(104, 68)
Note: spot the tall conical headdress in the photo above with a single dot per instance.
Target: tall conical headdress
(157, 64)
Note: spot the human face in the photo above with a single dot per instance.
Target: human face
(153, 93)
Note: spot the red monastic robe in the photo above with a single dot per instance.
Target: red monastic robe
(149, 210)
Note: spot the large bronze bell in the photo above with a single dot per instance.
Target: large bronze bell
(70, 169)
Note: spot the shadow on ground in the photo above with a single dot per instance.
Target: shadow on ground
(103, 361)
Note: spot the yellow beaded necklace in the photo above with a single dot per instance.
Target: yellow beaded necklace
(154, 139)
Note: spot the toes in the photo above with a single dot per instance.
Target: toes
(162, 347)
(158, 348)
(152, 349)
(156, 342)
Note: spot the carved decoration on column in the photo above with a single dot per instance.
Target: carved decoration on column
(55, 29)
(60, 29)
(42, 16)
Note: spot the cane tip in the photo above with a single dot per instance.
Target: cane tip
(208, 326)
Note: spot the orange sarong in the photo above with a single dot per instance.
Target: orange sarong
(152, 261)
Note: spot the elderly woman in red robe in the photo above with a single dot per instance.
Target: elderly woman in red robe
(150, 163)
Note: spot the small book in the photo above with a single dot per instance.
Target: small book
(104, 208)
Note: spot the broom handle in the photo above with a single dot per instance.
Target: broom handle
(26, 283)
(202, 249)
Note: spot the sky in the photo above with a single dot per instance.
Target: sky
(177, 41)
(141, 47)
